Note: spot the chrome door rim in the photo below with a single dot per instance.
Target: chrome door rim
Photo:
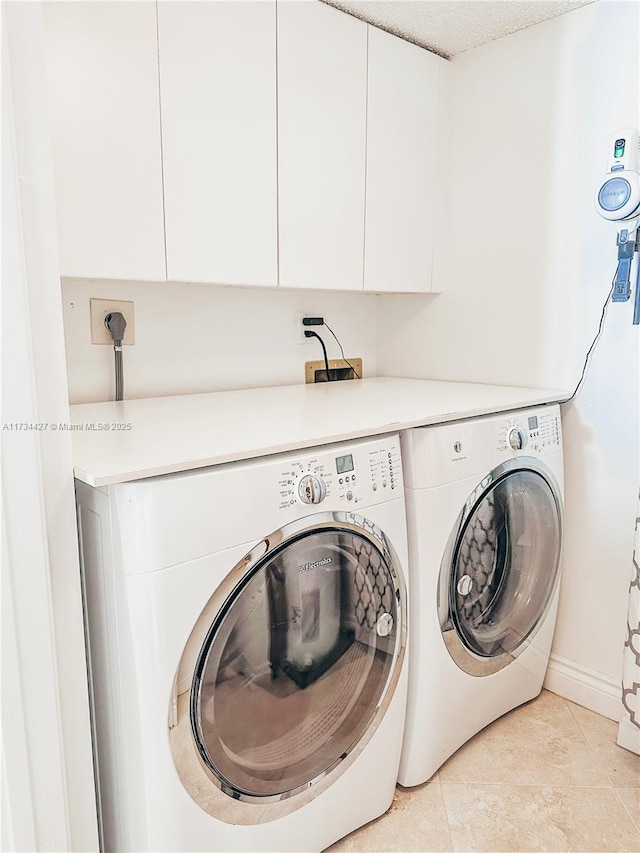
(470, 662)
(232, 585)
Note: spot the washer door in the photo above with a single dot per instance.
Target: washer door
(299, 653)
(501, 566)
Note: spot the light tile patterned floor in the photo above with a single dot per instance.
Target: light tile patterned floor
(546, 777)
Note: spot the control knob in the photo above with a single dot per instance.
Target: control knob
(517, 439)
(312, 489)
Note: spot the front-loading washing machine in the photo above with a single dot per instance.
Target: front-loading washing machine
(247, 628)
(484, 516)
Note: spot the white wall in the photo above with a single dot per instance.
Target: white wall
(525, 273)
(196, 338)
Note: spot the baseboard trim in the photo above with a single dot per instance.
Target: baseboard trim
(585, 687)
(629, 736)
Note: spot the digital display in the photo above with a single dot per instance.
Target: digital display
(533, 422)
(344, 464)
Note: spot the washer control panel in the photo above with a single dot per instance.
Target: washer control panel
(343, 476)
(538, 432)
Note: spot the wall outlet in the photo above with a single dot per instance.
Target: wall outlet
(301, 329)
(99, 308)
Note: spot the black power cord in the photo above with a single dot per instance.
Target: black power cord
(116, 324)
(355, 372)
(593, 344)
(309, 334)
(320, 321)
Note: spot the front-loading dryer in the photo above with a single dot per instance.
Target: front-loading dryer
(484, 515)
(247, 626)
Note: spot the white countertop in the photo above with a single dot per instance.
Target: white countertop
(169, 434)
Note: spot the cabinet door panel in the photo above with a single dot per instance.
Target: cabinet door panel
(218, 94)
(102, 77)
(401, 164)
(322, 68)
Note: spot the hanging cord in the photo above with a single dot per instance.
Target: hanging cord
(116, 324)
(355, 372)
(310, 334)
(633, 224)
(117, 350)
(587, 360)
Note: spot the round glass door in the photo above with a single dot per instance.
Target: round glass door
(298, 659)
(503, 566)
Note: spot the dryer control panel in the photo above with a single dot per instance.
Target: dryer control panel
(537, 432)
(446, 453)
(343, 476)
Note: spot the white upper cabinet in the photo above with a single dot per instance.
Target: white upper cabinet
(103, 86)
(322, 80)
(402, 128)
(218, 98)
(267, 142)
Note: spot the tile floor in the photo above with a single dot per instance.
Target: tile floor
(548, 776)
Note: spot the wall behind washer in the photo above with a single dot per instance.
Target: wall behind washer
(525, 274)
(197, 338)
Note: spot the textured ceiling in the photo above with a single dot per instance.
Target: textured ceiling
(449, 27)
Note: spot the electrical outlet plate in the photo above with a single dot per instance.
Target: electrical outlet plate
(301, 329)
(99, 308)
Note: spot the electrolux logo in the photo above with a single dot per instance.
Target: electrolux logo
(306, 567)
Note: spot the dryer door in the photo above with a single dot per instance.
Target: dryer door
(299, 652)
(501, 566)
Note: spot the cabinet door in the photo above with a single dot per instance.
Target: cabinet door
(102, 77)
(322, 79)
(218, 95)
(401, 164)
